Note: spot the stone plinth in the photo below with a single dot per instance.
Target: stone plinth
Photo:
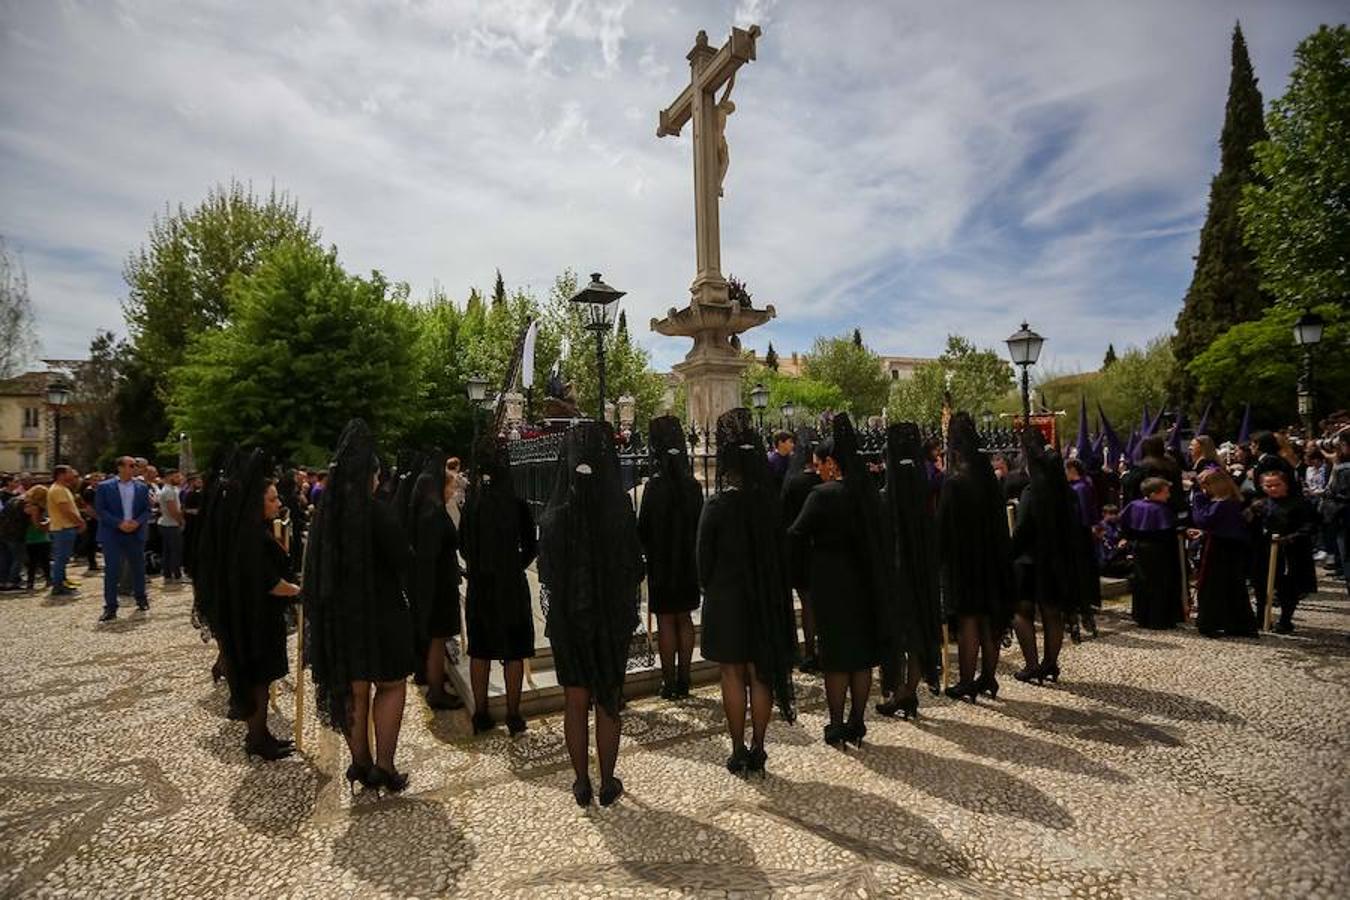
(712, 370)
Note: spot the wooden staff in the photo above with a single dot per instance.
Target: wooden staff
(1270, 579)
(1012, 517)
(300, 678)
(944, 656)
(1185, 580)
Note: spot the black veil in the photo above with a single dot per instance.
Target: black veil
(668, 522)
(1049, 530)
(340, 575)
(209, 561)
(741, 460)
(973, 542)
(431, 534)
(490, 540)
(803, 447)
(913, 531)
(590, 564)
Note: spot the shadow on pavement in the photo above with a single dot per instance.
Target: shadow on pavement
(1019, 749)
(1150, 701)
(405, 847)
(1090, 725)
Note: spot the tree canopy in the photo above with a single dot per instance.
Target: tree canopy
(847, 365)
(16, 315)
(1225, 288)
(977, 379)
(1297, 213)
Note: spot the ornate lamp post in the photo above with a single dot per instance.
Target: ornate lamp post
(759, 399)
(987, 417)
(788, 409)
(1307, 334)
(476, 388)
(58, 395)
(1024, 346)
(600, 304)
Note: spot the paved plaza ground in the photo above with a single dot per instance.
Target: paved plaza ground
(1164, 765)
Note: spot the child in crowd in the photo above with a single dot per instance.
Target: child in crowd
(1149, 524)
(1113, 554)
(1281, 514)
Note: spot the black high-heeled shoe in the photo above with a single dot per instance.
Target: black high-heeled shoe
(357, 772)
(681, 688)
(1048, 670)
(739, 760)
(611, 791)
(515, 725)
(482, 722)
(755, 765)
(836, 734)
(668, 691)
(855, 732)
(268, 748)
(1027, 674)
(907, 707)
(391, 781)
(987, 684)
(217, 672)
(581, 792)
(967, 690)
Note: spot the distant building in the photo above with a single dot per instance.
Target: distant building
(895, 367)
(28, 421)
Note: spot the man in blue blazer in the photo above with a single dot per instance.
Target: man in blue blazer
(122, 505)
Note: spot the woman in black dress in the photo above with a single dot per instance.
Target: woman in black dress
(916, 651)
(1051, 564)
(974, 559)
(747, 603)
(360, 626)
(250, 613)
(434, 581)
(801, 477)
(843, 530)
(498, 536)
(1223, 606)
(668, 524)
(590, 564)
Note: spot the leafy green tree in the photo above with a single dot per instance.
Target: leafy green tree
(1225, 287)
(1110, 357)
(977, 379)
(142, 422)
(1258, 362)
(307, 347)
(16, 316)
(810, 397)
(93, 429)
(855, 371)
(1297, 214)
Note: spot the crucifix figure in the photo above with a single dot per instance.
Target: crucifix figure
(709, 69)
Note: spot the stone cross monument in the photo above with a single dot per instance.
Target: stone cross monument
(712, 369)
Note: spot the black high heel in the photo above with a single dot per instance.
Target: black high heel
(987, 684)
(381, 780)
(757, 760)
(1027, 674)
(907, 707)
(581, 792)
(515, 725)
(611, 791)
(681, 688)
(739, 760)
(482, 722)
(357, 772)
(1048, 670)
(836, 734)
(217, 673)
(270, 750)
(855, 732)
(967, 690)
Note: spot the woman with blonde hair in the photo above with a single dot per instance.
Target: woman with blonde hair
(1204, 455)
(1216, 511)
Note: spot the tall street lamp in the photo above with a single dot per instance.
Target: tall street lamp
(476, 387)
(600, 304)
(58, 395)
(988, 418)
(788, 409)
(759, 399)
(1024, 347)
(1307, 334)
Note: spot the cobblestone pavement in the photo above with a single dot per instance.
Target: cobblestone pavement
(1163, 765)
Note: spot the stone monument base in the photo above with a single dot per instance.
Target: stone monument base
(713, 386)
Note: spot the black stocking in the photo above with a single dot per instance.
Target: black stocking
(1024, 623)
(576, 730)
(478, 680)
(968, 645)
(686, 623)
(514, 672)
(761, 706)
(808, 625)
(257, 721)
(607, 730)
(435, 669)
(389, 696)
(358, 735)
(911, 686)
(1053, 620)
(733, 701)
(988, 648)
(860, 686)
(836, 685)
(667, 644)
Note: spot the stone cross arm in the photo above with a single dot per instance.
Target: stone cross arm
(712, 69)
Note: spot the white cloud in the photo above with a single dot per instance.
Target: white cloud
(893, 166)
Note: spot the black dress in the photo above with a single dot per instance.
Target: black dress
(263, 653)
(1221, 587)
(828, 531)
(388, 618)
(795, 491)
(724, 569)
(667, 525)
(435, 575)
(975, 556)
(499, 542)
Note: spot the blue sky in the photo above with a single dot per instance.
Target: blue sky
(911, 168)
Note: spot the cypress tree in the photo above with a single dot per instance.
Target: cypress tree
(1225, 289)
(499, 290)
(771, 358)
(623, 323)
(1110, 357)
(857, 337)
